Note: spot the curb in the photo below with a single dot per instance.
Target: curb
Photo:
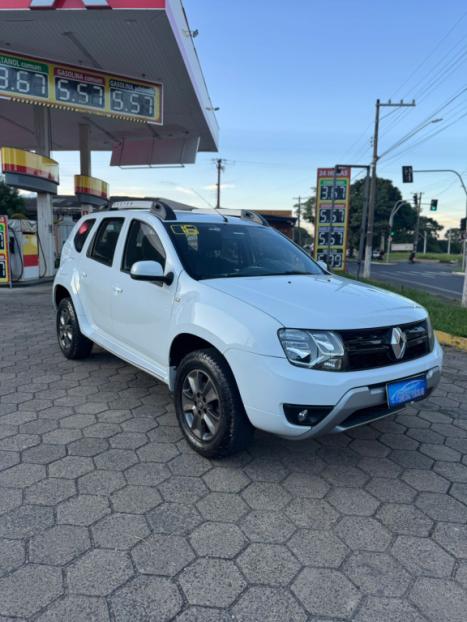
(446, 339)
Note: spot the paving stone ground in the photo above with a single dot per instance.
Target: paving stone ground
(107, 515)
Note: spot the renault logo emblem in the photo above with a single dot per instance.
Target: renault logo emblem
(398, 342)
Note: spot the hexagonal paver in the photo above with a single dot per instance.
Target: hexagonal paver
(326, 592)
(226, 480)
(265, 603)
(313, 513)
(363, 533)
(25, 521)
(8, 459)
(266, 496)
(100, 482)
(10, 498)
(99, 572)
(156, 452)
(59, 545)
(11, 555)
(128, 440)
(82, 510)
(422, 557)
(271, 564)
(120, 531)
(76, 609)
(273, 527)
(145, 599)
(387, 610)
(344, 476)
(116, 459)
(87, 447)
(224, 507)
(353, 501)
(266, 470)
(212, 582)
(440, 452)
(203, 614)
(380, 467)
(22, 475)
(191, 464)
(43, 454)
(453, 538)
(217, 540)
(50, 491)
(102, 430)
(404, 519)
(174, 518)
(147, 474)
(318, 548)
(425, 481)
(29, 589)
(440, 599)
(303, 485)
(442, 507)
(71, 467)
(135, 499)
(390, 490)
(179, 489)
(162, 555)
(377, 573)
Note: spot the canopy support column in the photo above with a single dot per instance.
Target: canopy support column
(42, 131)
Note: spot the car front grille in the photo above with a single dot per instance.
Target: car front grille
(370, 348)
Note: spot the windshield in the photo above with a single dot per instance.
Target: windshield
(212, 250)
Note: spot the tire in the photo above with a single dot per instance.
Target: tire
(71, 340)
(208, 405)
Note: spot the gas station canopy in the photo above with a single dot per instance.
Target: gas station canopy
(143, 40)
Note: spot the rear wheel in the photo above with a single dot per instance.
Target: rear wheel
(71, 340)
(209, 407)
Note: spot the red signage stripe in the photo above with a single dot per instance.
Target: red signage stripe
(83, 190)
(26, 170)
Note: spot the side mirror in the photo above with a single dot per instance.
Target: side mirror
(323, 264)
(150, 271)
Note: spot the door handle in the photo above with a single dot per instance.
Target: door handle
(117, 290)
(84, 275)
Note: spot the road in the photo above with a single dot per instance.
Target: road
(435, 278)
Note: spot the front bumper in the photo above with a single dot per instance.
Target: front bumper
(356, 398)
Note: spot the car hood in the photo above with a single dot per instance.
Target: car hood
(320, 301)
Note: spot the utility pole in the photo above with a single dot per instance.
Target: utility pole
(449, 241)
(220, 169)
(299, 214)
(372, 198)
(418, 207)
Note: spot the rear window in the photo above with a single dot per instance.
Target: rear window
(82, 233)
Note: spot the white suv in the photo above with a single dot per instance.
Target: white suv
(241, 324)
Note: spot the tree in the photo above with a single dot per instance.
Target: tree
(11, 203)
(308, 210)
(387, 196)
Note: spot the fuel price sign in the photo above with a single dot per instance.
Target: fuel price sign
(332, 213)
(33, 80)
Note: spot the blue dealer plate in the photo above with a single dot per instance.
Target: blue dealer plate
(404, 391)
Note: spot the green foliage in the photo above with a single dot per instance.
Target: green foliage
(309, 208)
(11, 203)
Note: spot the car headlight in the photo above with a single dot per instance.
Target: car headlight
(431, 333)
(317, 349)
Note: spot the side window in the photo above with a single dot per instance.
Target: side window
(82, 233)
(142, 244)
(105, 240)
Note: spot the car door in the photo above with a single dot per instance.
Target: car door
(95, 271)
(141, 311)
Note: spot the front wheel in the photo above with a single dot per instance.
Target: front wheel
(208, 405)
(71, 340)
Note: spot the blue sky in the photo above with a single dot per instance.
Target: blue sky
(296, 83)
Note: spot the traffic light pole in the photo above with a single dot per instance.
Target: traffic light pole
(397, 205)
(418, 207)
(372, 199)
(464, 255)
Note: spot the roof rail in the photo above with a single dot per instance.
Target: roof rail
(165, 209)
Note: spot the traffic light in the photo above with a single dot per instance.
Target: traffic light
(415, 200)
(463, 224)
(407, 174)
(433, 205)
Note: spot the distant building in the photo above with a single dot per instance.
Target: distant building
(282, 220)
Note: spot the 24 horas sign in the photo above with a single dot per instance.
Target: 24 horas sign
(38, 81)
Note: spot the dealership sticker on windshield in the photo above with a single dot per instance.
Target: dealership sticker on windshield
(188, 230)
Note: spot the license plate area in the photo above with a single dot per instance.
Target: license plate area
(404, 391)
